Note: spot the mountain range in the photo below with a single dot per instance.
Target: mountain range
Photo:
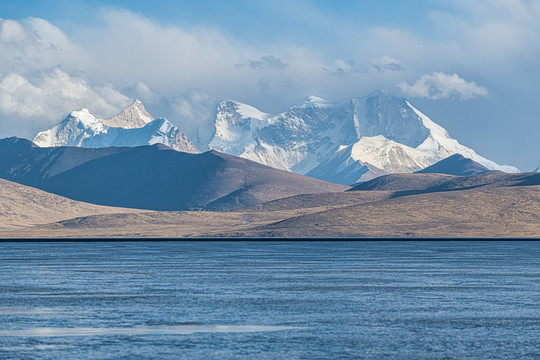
(344, 142)
(155, 191)
(133, 175)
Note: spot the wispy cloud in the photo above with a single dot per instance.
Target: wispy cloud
(439, 85)
(266, 62)
(386, 63)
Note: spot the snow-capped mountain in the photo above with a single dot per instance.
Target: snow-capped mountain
(342, 142)
(134, 126)
(537, 169)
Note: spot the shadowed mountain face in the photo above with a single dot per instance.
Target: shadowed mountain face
(456, 165)
(403, 182)
(151, 177)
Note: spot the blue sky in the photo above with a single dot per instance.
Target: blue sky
(471, 66)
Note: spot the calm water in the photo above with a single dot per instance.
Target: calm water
(270, 300)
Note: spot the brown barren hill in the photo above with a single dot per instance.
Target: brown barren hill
(484, 212)
(23, 206)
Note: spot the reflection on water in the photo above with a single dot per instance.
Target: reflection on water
(143, 330)
(274, 300)
(20, 310)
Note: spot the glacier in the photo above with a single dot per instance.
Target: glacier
(134, 126)
(343, 142)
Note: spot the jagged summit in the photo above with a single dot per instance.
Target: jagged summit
(134, 126)
(132, 117)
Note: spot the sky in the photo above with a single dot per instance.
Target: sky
(471, 66)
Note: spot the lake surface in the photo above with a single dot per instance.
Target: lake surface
(270, 300)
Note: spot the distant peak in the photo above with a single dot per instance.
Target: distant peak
(136, 104)
(133, 116)
(312, 100)
(84, 112)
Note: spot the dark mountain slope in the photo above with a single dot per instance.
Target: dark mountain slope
(404, 182)
(423, 183)
(457, 165)
(151, 177)
(24, 162)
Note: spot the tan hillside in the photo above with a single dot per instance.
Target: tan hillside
(484, 212)
(22, 205)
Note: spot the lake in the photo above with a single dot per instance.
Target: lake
(270, 300)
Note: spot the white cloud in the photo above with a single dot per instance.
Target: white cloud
(439, 85)
(381, 65)
(11, 31)
(34, 44)
(344, 67)
(42, 100)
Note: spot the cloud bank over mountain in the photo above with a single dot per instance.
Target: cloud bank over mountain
(483, 54)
